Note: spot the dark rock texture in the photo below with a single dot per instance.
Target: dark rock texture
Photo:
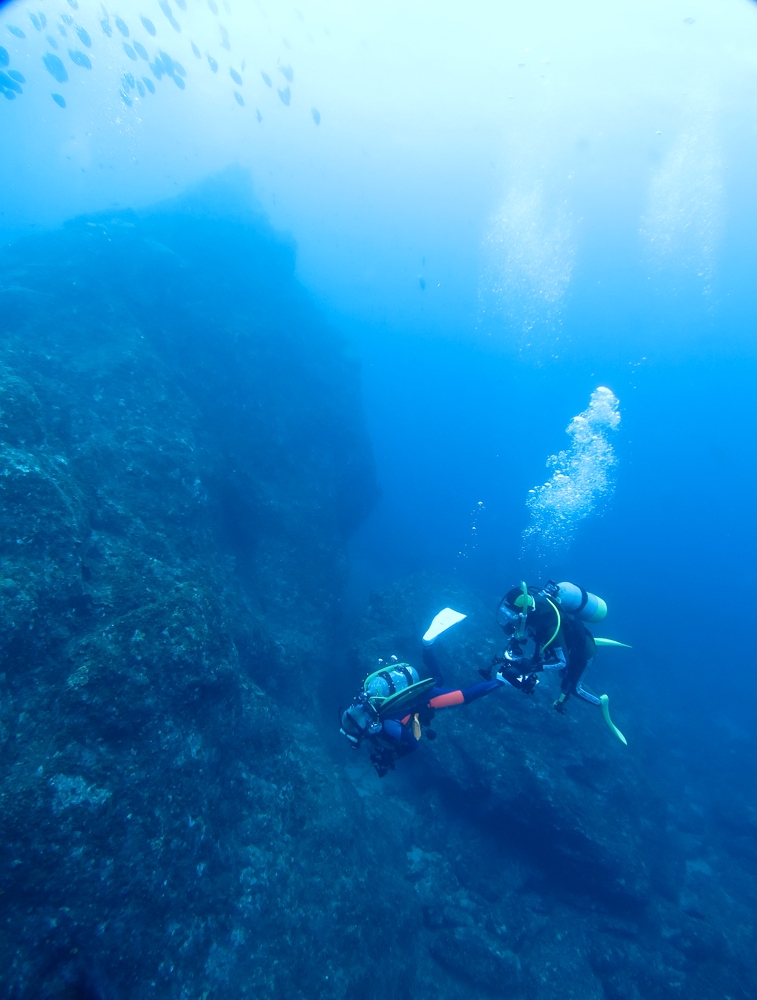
(182, 461)
(168, 391)
(549, 860)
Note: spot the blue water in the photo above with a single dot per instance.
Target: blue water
(499, 210)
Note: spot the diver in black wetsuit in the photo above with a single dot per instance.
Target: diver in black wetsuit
(546, 632)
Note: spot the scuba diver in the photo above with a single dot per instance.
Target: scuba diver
(546, 631)
(394, 703)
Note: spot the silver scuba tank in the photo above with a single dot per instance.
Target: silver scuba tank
(580, 603)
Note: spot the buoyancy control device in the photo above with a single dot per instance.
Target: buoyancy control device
(384, 691)
(390, 688)
(388, 680)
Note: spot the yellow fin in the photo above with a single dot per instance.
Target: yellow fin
(606, 712)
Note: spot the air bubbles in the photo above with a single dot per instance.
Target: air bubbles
(472, 543)
(582, 476)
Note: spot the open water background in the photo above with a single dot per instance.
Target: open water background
(501, 210)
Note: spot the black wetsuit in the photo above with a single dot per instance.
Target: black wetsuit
(569, 648)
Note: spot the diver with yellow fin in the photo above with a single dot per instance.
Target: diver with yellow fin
(394, 702)
(546, 631)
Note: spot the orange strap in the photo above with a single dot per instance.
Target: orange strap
(445, 700)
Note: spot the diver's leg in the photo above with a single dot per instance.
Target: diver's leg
(480, 689)
(585, 695)
(571, 684)
(447, 697)
(431, 664)
(572, 674)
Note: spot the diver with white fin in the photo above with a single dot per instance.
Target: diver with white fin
(546, 631)
(394, 703)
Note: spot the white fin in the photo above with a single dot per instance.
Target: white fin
(611, 642)
(444, 620)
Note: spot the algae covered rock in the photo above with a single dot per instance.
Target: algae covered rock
(473, 956)
(182, 458)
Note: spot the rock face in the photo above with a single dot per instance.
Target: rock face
(169, 394)
(181, 461)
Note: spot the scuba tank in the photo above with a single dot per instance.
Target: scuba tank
(392, 687)
(385, 691)
(579, 602)
(386, 682)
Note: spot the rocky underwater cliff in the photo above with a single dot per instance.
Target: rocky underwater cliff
(183, 461)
